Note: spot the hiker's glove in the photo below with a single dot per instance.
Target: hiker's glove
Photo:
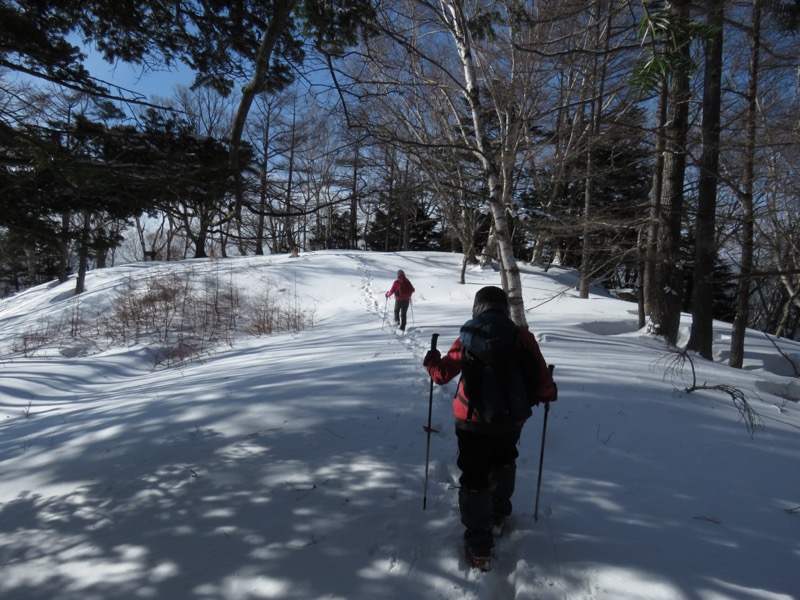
(554, 397)
(430, 356)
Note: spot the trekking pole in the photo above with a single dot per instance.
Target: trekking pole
(385, 306)
(428, 429)
(541, 453)
(411, 304)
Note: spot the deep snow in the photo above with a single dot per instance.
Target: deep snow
(291, 466)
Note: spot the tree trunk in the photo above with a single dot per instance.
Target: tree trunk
(282, 11)
(291, 242)
(651, 249)
(583, 287)
(702, 335)
(64, 255)
(666, 315)
(746, 198)
(200, 241)
(353, 235)
(262, 176)
(594, 80)
(83, 253)
(510, 270)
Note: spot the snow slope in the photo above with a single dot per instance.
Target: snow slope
(292, 465)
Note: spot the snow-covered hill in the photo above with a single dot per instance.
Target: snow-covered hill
(291, 465)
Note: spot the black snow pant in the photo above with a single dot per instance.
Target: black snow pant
(488, 475)
(400, 312)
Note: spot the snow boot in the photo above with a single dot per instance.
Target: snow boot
(481, 563)
(476, 515)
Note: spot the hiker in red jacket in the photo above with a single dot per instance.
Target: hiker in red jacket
(487, 445)
(401, 290)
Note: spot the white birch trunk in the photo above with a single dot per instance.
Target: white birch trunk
(453, 14)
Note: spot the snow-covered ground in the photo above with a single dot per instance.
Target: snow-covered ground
(292, 465)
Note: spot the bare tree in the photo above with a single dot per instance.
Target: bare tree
(323, 185)
(481, 94)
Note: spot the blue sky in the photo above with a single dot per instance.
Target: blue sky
(135, 78)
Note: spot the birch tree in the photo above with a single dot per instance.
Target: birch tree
(464, 57)
(456, 18)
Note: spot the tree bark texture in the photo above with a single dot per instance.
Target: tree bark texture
(510, 270)
(702, 334)
(665, 318)
(746, 198)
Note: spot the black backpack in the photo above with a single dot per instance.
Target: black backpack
(496, 371)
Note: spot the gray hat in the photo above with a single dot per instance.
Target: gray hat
(490, 298)
(401, 273)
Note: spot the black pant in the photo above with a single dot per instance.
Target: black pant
(400, 312)
(488, 476)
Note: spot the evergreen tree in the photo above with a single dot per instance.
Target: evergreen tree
(621, 176)
(386, 231)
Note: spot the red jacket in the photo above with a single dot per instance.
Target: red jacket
(396, 286)
(445, 368)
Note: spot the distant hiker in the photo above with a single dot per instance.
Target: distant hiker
(401, 290)
(503, 375)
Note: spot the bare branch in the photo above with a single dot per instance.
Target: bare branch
(675, 368)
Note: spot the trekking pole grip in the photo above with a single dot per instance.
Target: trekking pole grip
(434, 337)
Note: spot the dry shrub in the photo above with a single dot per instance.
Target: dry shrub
(179, 315)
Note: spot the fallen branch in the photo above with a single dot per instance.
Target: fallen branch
(305, 490)
(752, 420)
(784, 355)
(708, 519)
(306, 545)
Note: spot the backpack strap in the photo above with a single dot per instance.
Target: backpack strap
(465, 401)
